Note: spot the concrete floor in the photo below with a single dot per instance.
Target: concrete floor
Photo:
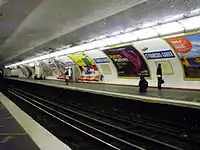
(175, 94)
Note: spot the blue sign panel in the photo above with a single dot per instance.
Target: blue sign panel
(160, 54)
(70, 63)
(101, 60)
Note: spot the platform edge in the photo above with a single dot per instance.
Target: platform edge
(158, 100)
(42, 137)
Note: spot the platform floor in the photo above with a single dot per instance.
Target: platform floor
(152, 92)
(12, 135)
(174, 94)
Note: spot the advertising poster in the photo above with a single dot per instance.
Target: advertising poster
(23, 70)
(188, 49)
(61, 67)
(87, 66)
(46, 69)
(62, 63)
(128, 61)
(29, 70)
(51, 63)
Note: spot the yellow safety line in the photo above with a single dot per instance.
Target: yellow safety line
(11, 117)
(148, 100)
(13, 134)
(6, 139)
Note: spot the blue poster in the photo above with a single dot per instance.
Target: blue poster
(160, 54)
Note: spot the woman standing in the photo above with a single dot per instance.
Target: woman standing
(159, 76)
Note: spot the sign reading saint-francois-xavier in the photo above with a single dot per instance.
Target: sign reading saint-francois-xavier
(128, 61)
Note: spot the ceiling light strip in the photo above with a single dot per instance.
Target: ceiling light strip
(175, 27)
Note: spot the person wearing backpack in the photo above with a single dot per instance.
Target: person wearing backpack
(143, 85)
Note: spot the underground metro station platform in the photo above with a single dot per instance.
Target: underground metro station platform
(95, 75)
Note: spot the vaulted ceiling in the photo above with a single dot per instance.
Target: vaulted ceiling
(31, 27)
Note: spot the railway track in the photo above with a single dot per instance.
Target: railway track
(182, 132)
(110, 134)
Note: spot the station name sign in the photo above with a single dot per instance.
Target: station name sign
(70, 63)
(101, 60)
(160, 54)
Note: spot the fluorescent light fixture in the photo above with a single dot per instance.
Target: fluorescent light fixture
(78, 48)
(194, 12)
(31, 64)
(171, 18)
(146, 33)
(127, 37)
(91, 40)
(87, 46)
(169, 28)
(64, 47)
(19, 63)
(100, 43)
(102, 48)
(82, 42)
(101, 37)
(38, 58)
(148, 24)
(191, 23)
(129, 29)
(55, 54)
(112, 41)
(61, 52)
(115, 33)
(68, 51)
(8, 66)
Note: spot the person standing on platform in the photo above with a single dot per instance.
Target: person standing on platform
(159, 76)
(143, 84)
(70, 73)
(1, 80)
(66, 76)
(101, 77)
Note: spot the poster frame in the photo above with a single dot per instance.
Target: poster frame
(141, 54)
(181, 35)
(78, 65)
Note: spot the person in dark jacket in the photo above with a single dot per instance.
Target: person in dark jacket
(159, 76)
(143, 85)
(101, 77)
(36, 77)
(1, 80)
(67, 76)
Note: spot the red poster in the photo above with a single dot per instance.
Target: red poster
(180, 44)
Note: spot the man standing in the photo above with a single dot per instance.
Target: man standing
(67, 75)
